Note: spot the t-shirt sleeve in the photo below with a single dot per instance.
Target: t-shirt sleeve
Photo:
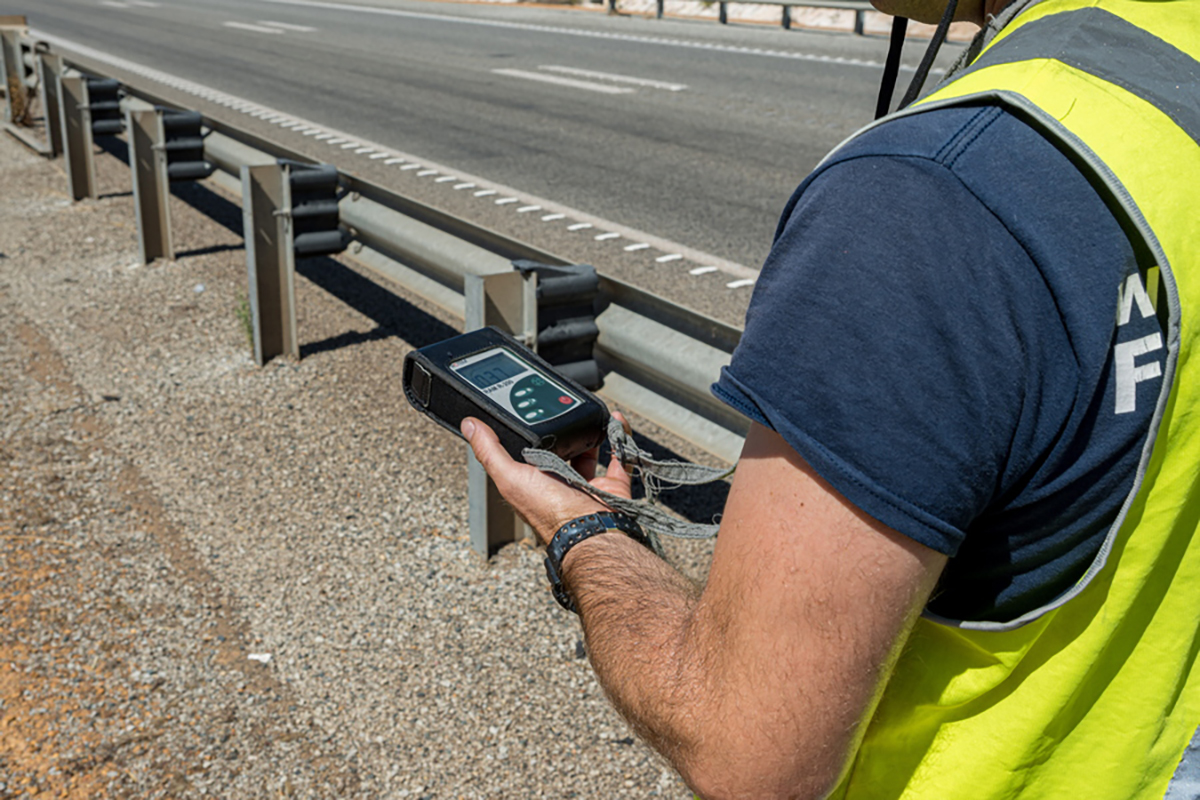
(890, 341)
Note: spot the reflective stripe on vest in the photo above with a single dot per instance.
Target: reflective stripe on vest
(1098, 694)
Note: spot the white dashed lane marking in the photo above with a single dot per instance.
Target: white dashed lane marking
(607, 76)
(286, 26)
(568, 82)
(244, 26)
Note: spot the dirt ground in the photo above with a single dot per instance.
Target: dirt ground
(220, 580)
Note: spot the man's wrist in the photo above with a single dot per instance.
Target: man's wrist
(575, 533)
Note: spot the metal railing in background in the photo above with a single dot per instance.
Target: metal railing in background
(859, 7)
(29, 78)
(658, 358)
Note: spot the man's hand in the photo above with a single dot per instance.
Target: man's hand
(542, 500)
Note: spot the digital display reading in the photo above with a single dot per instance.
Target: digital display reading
(491, 370)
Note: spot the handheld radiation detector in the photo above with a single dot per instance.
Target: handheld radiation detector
(489, 375)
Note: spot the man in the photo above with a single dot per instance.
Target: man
(958, 557)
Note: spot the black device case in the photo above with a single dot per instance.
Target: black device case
(428, 385)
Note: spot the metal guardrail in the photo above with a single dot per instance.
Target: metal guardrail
(859, 7)
(658, 358)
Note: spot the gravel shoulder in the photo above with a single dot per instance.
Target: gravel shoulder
(221, 580)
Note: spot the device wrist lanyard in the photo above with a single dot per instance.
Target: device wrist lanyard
(655, 475)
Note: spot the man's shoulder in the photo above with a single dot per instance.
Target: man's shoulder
(976, 146)
(945, 135)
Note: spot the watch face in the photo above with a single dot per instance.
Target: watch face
(526, 393)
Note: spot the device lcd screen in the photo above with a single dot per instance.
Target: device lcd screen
(526, 393)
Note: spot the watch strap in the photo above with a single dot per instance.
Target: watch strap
(576, 531)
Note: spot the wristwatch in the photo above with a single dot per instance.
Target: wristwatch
(575, 532)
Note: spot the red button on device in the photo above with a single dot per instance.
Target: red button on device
(566, 401)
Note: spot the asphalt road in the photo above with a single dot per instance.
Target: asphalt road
(693, 132)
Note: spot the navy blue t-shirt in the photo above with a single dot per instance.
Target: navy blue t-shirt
(954, 331)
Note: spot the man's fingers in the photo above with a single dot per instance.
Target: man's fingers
(483, 440)
(585, 463)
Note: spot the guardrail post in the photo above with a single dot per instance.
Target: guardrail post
(151, 189)
(860, 17)
(508, 301)
(270, 260)
(51, 69)
(77, 133)
(11, 67)
(25, 73)
(722, 13)
(658, 9)
(787, 18)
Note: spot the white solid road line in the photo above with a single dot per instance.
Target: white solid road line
(607, 76)
(287, 26)
(571, 82)
(661, 41)
(247, 27)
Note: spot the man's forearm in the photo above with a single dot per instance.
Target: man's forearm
(637, 614)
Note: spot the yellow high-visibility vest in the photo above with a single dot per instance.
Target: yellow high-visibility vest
(1097, 695)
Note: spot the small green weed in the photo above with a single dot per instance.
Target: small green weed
(243, 314)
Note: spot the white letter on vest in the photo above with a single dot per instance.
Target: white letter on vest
(1134, 290)
(1129, 374)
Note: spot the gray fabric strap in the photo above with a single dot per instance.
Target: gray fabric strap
(655, 475)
